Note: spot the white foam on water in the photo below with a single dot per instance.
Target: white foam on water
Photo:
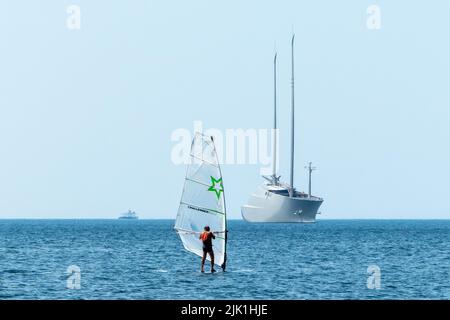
(243, 270)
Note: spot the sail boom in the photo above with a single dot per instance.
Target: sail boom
(192, 232)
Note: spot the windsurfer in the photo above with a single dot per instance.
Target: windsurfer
(207, 236)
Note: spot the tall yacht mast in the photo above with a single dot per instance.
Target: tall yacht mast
(291, 184)
(274, 171)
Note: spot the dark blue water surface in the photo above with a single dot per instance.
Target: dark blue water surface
(144, 259)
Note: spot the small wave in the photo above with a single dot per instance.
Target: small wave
(161, 270)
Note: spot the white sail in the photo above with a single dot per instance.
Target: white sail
(203, 201)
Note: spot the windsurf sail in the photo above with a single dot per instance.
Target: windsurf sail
(203, 201)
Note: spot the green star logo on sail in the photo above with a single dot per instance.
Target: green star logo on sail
(216, 186)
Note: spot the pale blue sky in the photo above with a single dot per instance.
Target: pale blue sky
(86, 116)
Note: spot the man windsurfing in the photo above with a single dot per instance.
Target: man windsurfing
(207, 236)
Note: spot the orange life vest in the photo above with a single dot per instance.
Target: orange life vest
(204, 236)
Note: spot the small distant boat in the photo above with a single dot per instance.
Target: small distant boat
(130, 215)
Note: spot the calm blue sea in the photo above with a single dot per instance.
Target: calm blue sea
(144, 259)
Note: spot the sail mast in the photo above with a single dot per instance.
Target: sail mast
(274, 173)
(291, 191)
(224, 264)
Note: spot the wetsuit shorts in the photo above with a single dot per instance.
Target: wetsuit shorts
(207, 249)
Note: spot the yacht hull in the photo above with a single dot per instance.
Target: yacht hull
(266, 206)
